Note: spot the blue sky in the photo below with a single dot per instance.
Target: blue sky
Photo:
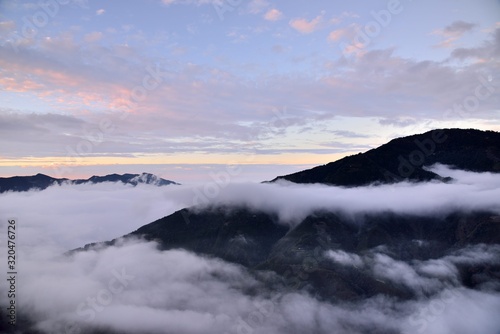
(182, 87)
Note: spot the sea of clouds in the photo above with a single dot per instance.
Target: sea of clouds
(133, 287)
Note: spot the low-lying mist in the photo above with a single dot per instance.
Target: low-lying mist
(132, 287)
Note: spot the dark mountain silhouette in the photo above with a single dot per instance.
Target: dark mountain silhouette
(25, 183)
(133, 179)
(41, 181)
(406, 237)
(258, 241)
(405, 158)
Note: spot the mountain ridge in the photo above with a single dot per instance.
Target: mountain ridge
(42, 181)
(306, 254)
(405, 159)
(259, 241)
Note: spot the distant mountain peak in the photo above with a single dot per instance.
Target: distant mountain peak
(42, 181)
(146, 178)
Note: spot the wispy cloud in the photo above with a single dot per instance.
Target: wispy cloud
(305, 26)
(453, 33)
(340, 18)
(349, 33)
(188, 2)
(273, 15)
(93, 37)
(236, 110)
(257, 6)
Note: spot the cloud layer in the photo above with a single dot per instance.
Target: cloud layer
(133, 287)
(88, 213)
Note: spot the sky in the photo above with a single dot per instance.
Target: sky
(188, 88)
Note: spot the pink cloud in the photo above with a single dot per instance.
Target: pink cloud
(391, 84)
(273, 15)
(337, 35)
(350, 32)
(306, 27)
(93, 37)
(19, 85)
